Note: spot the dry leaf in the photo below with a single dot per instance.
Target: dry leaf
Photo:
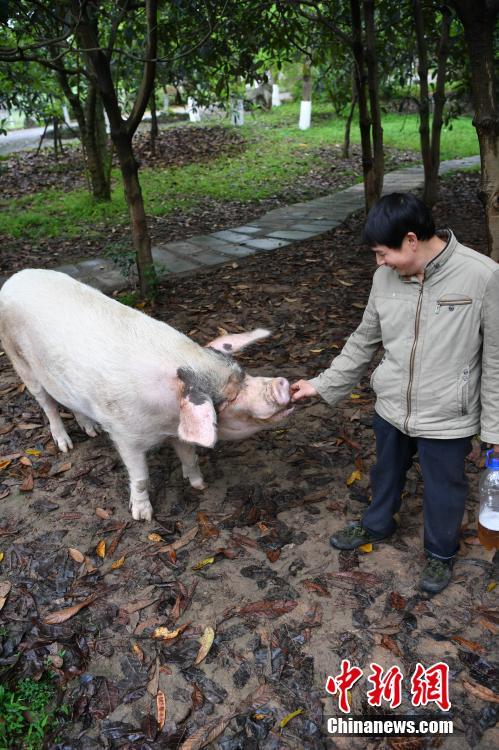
(185, 539)
(155, 538)
(206, 527)
(206, 642)
(61, 615)
(28, 426)
(468, 644)
(100, 550)
(76, 555)
(485, 694)
(160, 709)
(103, 513)
(27, 485)
(169, 635)
(354, 477)
(290, 716)
(25, 461)
(1, 556)
(5, 587)
(366, 547)
(33, 452)
(203, 563)
(118, 563)
(138, 652)
(60, 469)
(491, 586)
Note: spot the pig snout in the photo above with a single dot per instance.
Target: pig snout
(281, 391)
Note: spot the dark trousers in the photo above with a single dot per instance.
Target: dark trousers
(445, 485)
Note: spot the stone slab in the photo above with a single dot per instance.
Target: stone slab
(266, 244)
(291, 234)
(171, 262)
(247, 229)
(236, 251)
(210, 258)
(228, 235)
(317, 227)
(182, 248)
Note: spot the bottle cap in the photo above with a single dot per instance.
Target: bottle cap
(492, 460)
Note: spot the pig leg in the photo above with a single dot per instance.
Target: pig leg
(190, 466)
(87, 425)
(136, 465)
(49, 406)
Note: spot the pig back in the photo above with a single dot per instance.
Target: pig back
(91, 353)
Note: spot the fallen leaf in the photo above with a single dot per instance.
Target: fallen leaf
(118, 563)
(354, 477)
(33, 452)
(290, 716)
(397, 601)
(28, 426)
(468, 644)
(155, 538)
(179, 543)
(100, 550)
(1, 556)
(206, 527)
(60, 468)
(160, 709)
(25, 461)
(4, 463)
(28, 484)
(206, 642)
(103, 513)
(61, 615)
(491, 586)
(5, 587)
(366, 547)
(203, 563)
(76, 555)
(270, 608)
(484, 693)
(167, 635)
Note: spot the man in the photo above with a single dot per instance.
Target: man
(434, 307)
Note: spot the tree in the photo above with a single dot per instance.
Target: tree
(479, 19)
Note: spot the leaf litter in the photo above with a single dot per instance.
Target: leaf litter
(118, 610)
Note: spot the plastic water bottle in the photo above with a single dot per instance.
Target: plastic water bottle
(488, 493)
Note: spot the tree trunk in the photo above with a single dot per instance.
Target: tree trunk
(348, 125)
(154, 122)
(479, 19)
(306, 96)
(373, 88)
(430, 194)
(133, 193)
(364, 116)
(424, 96)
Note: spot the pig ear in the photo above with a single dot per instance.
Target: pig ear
(234, 342)
(198, 422)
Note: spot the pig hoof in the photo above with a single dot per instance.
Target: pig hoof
(63, 442)
(87, 425)
(198, 484)
(141, 510)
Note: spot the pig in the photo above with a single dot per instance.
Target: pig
(138, 379)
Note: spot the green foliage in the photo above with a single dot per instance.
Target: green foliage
(276, 154)
(26, 713)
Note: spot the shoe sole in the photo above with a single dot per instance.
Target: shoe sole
(348, 546)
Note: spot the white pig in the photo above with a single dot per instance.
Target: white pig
(135, 377)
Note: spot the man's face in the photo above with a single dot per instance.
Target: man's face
(403, 260)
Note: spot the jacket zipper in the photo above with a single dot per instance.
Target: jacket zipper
(413, 356)
(450, 303)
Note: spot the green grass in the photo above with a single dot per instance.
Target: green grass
(277, 153)
(27, 713)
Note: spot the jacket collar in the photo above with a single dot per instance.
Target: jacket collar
(439, 260)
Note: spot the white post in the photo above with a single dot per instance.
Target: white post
(237, 112)
(192, 109)
(106, 120)
(65, 114)
(166, 103)
(276, 97)
(305, 115)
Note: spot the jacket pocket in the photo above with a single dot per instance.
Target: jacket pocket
(463, 391)
(375, 373)
(450, 302)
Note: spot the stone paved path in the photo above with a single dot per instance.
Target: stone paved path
(274, 229)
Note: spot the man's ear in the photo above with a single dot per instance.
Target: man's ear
(198, 421)
(233, 342)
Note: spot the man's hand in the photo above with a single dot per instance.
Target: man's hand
(303, 389)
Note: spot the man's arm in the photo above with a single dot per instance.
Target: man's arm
(489, 387)
(349, 366)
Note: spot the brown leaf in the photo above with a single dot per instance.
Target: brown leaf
(317, 588)
(28, 425)
(28, 484)
(160, 709)
(139, 604)
(179, 543)
(153, 684)
(206, 642)
(100, 550)
(76, 555)
(61, 615)
(103, 513)
(206, 528)
(5, 587)
(468, 644)
(397, 601)
(484, 693)
(390, 645)
(197, 697)
(273, 554)
(60, 468)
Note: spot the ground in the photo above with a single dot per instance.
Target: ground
(284, 606)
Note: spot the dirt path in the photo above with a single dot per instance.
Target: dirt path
(284, 606)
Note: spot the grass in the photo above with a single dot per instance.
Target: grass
(276, 154)
(27, 713)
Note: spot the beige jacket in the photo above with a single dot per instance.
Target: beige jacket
(439, 376)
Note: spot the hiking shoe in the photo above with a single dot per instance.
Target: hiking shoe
(353, 536)
(436, 575)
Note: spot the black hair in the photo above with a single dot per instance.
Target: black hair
(393, 216)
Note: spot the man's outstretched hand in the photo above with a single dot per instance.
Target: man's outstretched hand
(302, 389)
